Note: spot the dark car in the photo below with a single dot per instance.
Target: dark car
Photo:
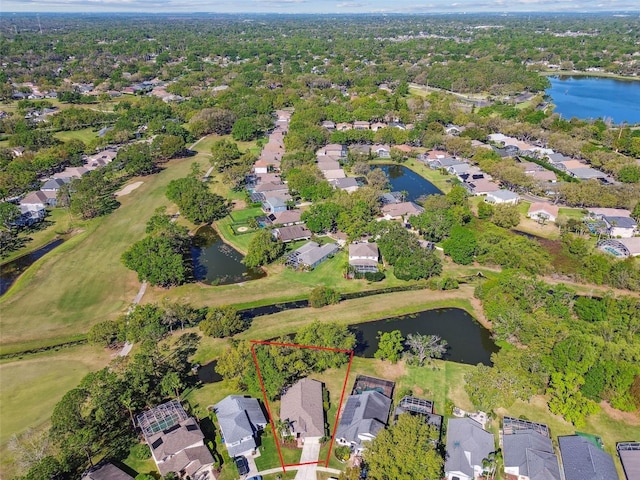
(242, 464)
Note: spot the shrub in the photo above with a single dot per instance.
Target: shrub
(141, 451)
(321, 296)
(374, 276)
(342, 453)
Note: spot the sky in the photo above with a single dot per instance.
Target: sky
(318, 6)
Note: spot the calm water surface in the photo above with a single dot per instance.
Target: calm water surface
(403, 179)
(594, 97)
(469, 342)
(217, 262)
(10, 271)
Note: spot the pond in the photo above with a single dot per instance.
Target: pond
(218, 263)
(402, 179)
(594, 97)
(469, 342)
(10, 271)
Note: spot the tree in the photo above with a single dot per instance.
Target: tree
(322, 217)
(92, 195)
(106, 333)
(9, 213)
(424, 347)
(377, 179)
(485, 210)
(506, 216)
(322, 296)
(171, 384)
(461, 246)
(629, 174)
(136, 159)
(390, 346)
(163, 147)
(262, 249)
(224, 154)
(196, 202)
(245, 129)
(567, 400)
(224, 321)
(406, 450)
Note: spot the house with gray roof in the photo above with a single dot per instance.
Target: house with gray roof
(176, 441)
(106, 471)
(583, 460)
(529, 455)
(240, 419)
(310, 255)
(54, 184)
(503, 196)
(624, 227)
(292, 233)
(301, 408)
(629, 453)
(348, 184)
(467, 445)
(364, 415)
(586, 173)
(363, 257)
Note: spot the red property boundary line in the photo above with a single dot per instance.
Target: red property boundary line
(255, 343)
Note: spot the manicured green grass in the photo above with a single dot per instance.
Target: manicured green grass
(577, 213)
(242, 216)
(269, 457)
(86, 135)
(30, 387)
(141, 466)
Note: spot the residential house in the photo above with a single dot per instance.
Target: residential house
(528, 452)
(38, 200)
(29, 215)
(481, 186)
(286, 218)
(54, 184)
(377, 126)
(391, 197)
(418, 406)
(274, 204)
(310, 255)
(453, 130)
(348, 184)
(629, 453)
(361, 125)
(624, 227)
(583, 460)
(329, 125)
(333, 149)
(398, 125)
(444, 162)
(503, 197)
(343, 126)
(360, 149)
(382, 151)
(176, 441)
(467, 445)
(458, 169)
(401, 211)
(587, 173)
(334, 174)
(106, 471)
(544, 176)
(302, 410)
(364, 415)
(328, 163)
(16, 151)
(543, 212)
(292, 233)
(363, 257)
(240, 420)
(621, 247)
(406, 149)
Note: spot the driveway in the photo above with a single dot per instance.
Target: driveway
(310, 452)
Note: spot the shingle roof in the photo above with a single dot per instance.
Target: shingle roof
(582, 460)
(467, 445)
(171, 441)
(239, 417)
(366, 413)
(107, 471)
(621, 222)
(363, 250)
(504, 195)
(302, 407)
(630, 457)
(532, 453)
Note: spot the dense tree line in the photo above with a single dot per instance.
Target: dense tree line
(575, 353)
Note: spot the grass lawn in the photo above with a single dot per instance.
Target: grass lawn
(269, 457)
(141, 466)
(577, 213)
(243, 216)
(30, 388)
(58, 222)
(85, 134)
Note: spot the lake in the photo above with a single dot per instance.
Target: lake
(469, 342)
(218, 263)
(10, 271)
(595, 97)
(403, 179)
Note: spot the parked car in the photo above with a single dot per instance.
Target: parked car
(257, 477)
(242, 464)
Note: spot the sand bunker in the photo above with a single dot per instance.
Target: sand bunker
(128, 189)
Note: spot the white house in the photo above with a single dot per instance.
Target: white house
(543, 211)
(624, 227)
(363, 257)
(503, 197)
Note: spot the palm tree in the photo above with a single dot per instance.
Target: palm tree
(490, 464)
